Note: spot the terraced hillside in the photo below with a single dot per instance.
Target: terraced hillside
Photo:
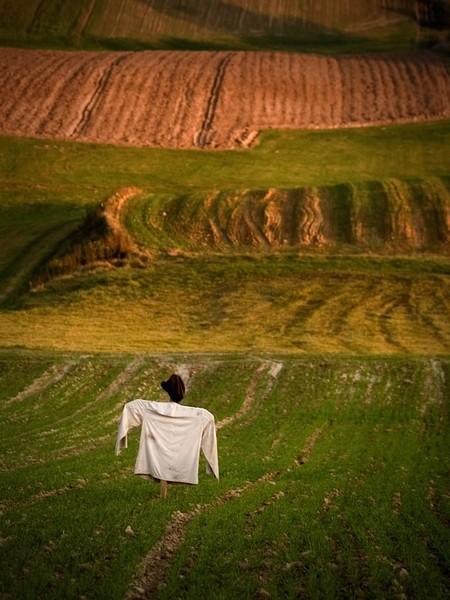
(211, 100)
(265, 271)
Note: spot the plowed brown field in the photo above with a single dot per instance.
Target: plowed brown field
(211, 99)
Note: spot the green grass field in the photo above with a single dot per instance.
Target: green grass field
(191, 296)
(359, 26)
(334, 480)
(88, 172)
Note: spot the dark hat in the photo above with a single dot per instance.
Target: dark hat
(174, 386)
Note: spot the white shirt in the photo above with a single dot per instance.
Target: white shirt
(172, 436)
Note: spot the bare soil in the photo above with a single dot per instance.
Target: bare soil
(211, 100)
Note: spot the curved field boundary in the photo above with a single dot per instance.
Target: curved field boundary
(196, 20)
(211, 99)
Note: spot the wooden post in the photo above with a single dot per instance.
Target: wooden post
(162, 488)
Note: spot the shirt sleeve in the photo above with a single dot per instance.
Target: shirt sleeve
(131, 417)
(209, 447)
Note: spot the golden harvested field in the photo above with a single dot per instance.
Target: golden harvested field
(211, 100)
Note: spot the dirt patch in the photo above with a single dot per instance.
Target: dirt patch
(54, 374)
(274, 370)
(211, 99)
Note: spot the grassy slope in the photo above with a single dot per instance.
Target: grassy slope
(333, 483)
(327, 27)
(282, 159)
(208, 302)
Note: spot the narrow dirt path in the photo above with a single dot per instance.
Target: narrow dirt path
(247, 405)
(150, 579)
(51, 376)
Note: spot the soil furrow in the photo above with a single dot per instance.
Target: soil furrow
(336, 86)
(374, 100)
(158, 98)
(95, 98)
(57, 88)
(17, 93)
(385, 319)
(35, 18)
(119, 122)
(202, 139)
(188, 110)
(391, 90)
(248, 403)
(420, 317)
(54, 374)
(151, 94)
